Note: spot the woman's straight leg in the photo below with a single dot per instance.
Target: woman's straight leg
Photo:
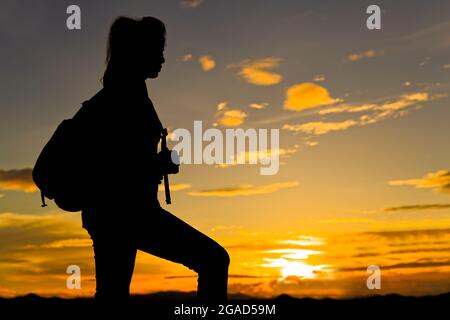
(114, 264)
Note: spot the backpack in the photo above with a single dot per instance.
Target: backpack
(59, 172)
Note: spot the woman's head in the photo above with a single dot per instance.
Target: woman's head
(136, 46)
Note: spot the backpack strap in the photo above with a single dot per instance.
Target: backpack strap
(43, 200)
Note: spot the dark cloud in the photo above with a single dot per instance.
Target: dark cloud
(408, 234)
(13, 260)
(446, 249)
(17, 179)
(407, 265)
(234, 276)
(245, 190)
(418, 207)
(403, 251)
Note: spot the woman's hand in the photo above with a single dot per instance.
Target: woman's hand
(165, 163)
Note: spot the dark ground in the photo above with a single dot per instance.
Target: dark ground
(162, 306)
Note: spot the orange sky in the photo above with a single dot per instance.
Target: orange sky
(363, 116)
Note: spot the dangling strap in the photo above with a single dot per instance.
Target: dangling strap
(43, 200)
(165, 176)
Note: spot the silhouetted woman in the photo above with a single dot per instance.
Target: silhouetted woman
(122, 214)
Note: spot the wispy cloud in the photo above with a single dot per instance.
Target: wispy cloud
(361, 55)
(39, 248)
(17, 179)
(305, 241)
(311, 143)
(425, 32)
(64, 243)
(191, 3)
(394, 109)
(438, 181)
(245, 190)
(396, 104)
(408, 234)
(374, 112)
(260, 156)
(319, 77)
(319, 127)
(410, 265)
(187, 57)
(307, 95)
(16, 220)
(175, 187)
(229, 117)
(258, 106)
(419, 207)
(232, 227)
(207, 63)
(258, 72)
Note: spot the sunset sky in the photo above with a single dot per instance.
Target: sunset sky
(364, 119)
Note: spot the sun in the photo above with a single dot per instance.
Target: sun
(299, 269)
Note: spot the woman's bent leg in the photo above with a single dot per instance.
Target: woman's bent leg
(168, 237)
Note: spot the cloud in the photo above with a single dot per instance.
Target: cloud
(16, 220)
(438, 181)
(257, 71)
(394, 109)
(421, 250)
(207, 63)
(229, 117)
(226, 228)
(305, 241)
(343, 272)
(260, 156)
(191, 3)
(348, 108)
(374, 113)
(176, 187)
(319, 77)
(361, 55)
(307, 95)
(27, 231)
(410, 265)
(39, 247)
(418, 207)
(64, 243)
(399, 103)
(245, 190)
(17, 179)
(258, 106)
(187, 57)
(230, 276)
(311, 143)
(320, 127)
(408, 234)
(428, 31)
(345, 221)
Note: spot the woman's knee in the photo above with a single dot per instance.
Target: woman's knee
(219, 256)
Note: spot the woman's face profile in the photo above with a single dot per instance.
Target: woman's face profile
(153, 59)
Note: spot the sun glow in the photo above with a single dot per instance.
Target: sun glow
(290, 266)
